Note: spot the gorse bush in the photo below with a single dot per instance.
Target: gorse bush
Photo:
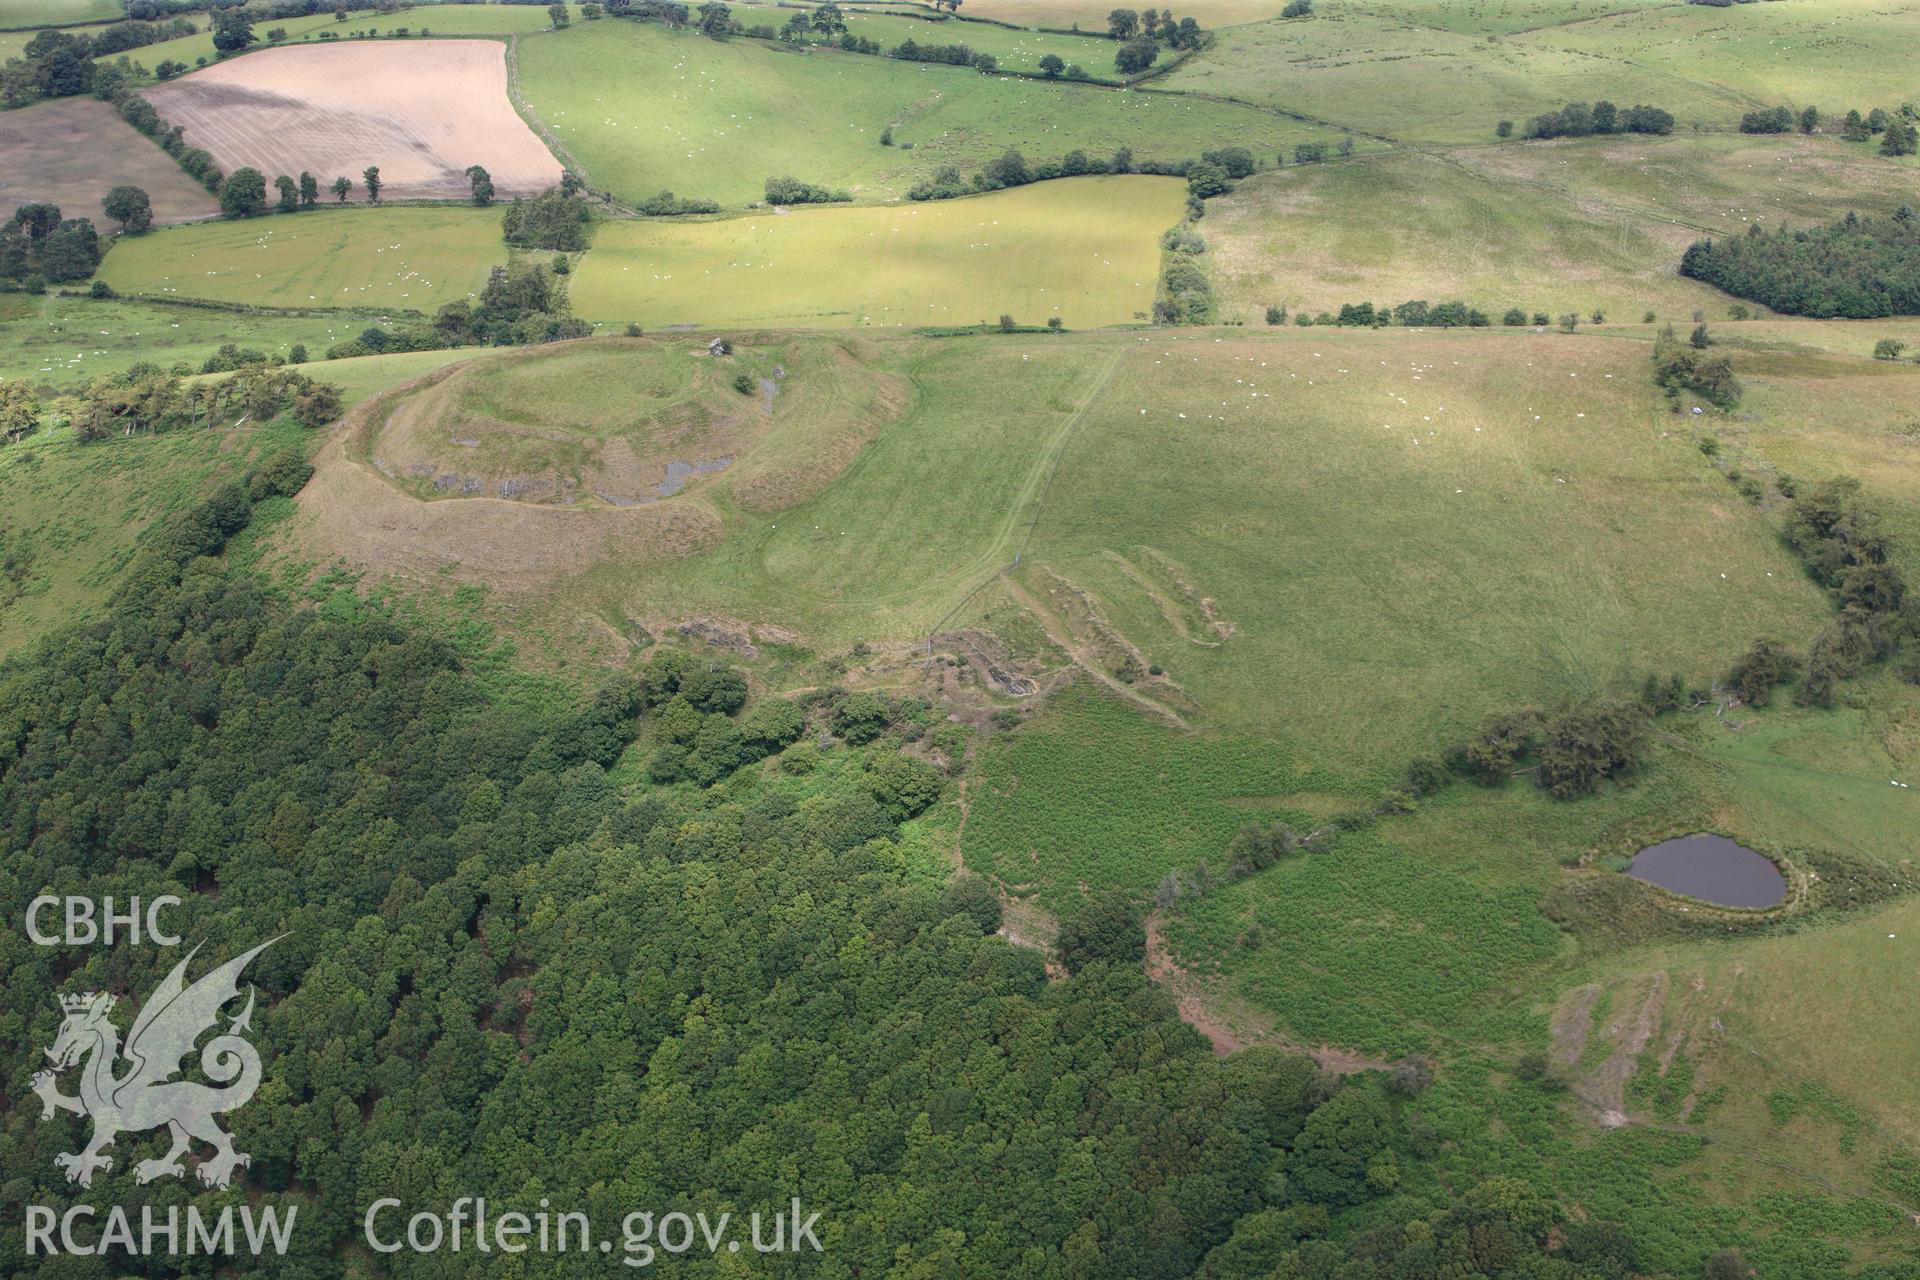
(794, 191)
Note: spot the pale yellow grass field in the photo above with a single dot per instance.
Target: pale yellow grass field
(1084, 249)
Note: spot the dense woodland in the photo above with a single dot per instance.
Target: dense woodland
(1857, 268)
(503, 974)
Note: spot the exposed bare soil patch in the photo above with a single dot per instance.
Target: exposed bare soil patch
(351, 511)
(419, 110)
(72, 151)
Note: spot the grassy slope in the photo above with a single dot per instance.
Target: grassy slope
(51, 13)
(1418, 84)
(644, 108)
(926, 511)
(63, 342)
(1482, 17)
(1085, 250)
(1833, 54)
(80, 510)
(1553, 227)
(407, 258)
(439, 19)
(1432, 72)
(1091, 15)
(1411, 531)
(1016, 49)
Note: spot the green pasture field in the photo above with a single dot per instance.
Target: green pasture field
(1832, 54)
(1017, 50)
(1499, 17)
(405, 258)
(52, 13)
(437, 19)
(62, 343)
(1575, 225)
(1376, 74)
(1812, 416)
(643, 108)
(1535, 526)
(1084, 249)
(1091, 15)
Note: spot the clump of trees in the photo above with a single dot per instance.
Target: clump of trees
(38, 246)
(789, 190)
(1573, 752)
(19, 411)
(1143, 33)
(480, 185)
(244, 193)
(520, 304)
(556, 220)
(1896, 130)
(1579, 120)
(668, 12)
(665, 205)
(1683, 369)
(1767, 120)
(148, 399)
(1859, 268)
(1760, 669)
(1185, 295)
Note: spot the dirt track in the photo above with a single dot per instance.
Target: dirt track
(420, 110)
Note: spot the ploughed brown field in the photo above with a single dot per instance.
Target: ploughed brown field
(419, 110)
(72, 151)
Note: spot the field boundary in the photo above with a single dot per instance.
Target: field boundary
(568, 161)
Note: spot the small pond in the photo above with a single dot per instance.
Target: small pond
(1713, 869)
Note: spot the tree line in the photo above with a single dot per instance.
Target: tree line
(1858, 267)
(1579, 120)
(505, 974)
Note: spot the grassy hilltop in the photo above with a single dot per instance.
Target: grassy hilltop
(1223, 621)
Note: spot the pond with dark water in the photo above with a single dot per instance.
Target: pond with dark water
(1713, 869)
